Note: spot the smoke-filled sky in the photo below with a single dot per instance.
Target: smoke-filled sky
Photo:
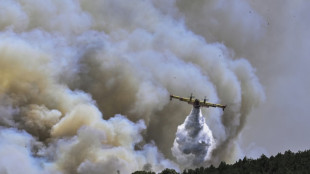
(274, 38)
(281, 58)
(84, 85)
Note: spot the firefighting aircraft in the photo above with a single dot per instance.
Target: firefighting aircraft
(197, 103)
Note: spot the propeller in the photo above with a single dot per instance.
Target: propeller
(191, 97)
(205, 99)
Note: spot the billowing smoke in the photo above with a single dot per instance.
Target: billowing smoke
(84, 86)
(194, 141)
(273, 36)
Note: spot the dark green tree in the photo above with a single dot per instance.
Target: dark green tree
(143, 172)
(169, 171)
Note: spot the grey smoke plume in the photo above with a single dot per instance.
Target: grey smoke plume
(274, 37)
(194, 141)
(84, 85)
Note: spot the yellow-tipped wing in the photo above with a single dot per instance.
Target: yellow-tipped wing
(207, 104)
(188, 100)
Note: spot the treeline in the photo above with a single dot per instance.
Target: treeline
(286, 163)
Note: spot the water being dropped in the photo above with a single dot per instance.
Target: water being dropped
(194, 141)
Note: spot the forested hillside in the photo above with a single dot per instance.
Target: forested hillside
(288, 162)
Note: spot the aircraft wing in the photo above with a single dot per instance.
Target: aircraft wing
(180, 98)
(207, 104)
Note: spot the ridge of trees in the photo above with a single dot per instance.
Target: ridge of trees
(286, 163)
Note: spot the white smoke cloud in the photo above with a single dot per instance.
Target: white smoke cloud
(89, 82)
(16, 146)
